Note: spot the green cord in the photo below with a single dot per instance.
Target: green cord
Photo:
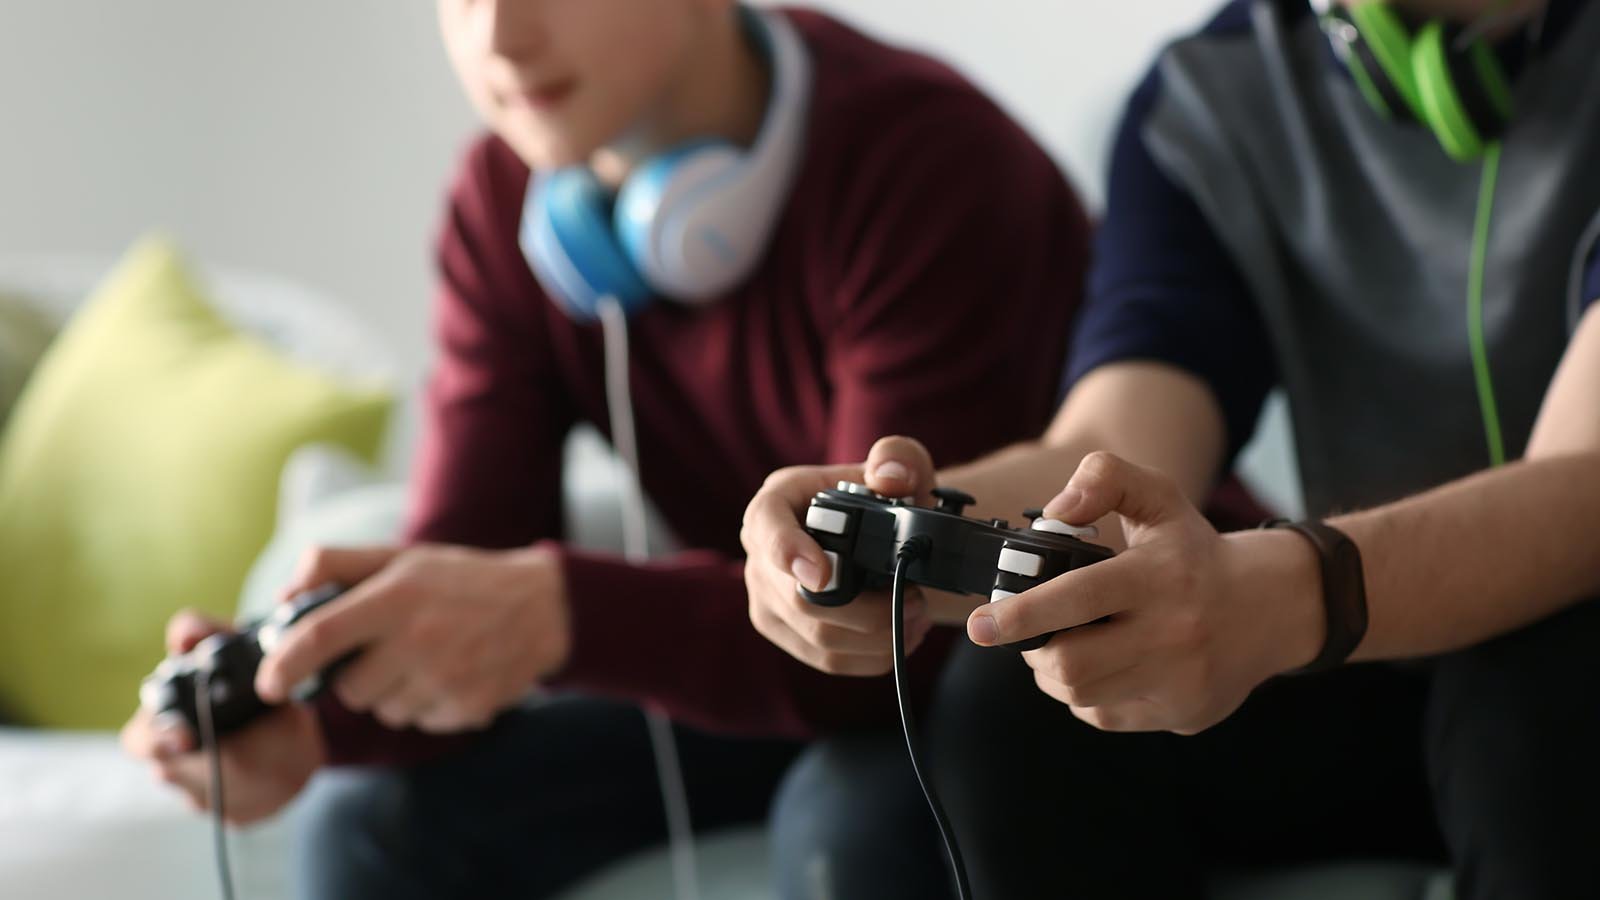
(1480, 252)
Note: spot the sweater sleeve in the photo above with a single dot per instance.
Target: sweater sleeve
(956, 244)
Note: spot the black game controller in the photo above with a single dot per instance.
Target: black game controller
(861, 532)
(228, 662)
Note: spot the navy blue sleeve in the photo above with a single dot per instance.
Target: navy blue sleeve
(1591, 278)
(1163, 287)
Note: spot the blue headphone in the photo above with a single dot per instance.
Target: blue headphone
(688, 224)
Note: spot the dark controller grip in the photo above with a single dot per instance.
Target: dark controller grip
(848, 577)
(1032, 643)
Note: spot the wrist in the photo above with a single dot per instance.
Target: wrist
(540, 575)
(1282, 574)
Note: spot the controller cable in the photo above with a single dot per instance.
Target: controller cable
(636, 549)
(912, 550)
(214, 795)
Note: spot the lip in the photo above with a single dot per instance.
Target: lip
(548, 96)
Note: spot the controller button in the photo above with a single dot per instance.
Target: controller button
(1000, 523)
(155, 695)
(1019, 562)
(851, 487)
(208, 646)
(1000, 595)
(831, 521)
(833, 576)
(1056, 526)
(268, 636)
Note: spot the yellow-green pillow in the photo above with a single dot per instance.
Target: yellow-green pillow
(25, 332)
(138, 474)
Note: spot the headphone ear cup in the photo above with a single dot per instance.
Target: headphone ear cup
(658, 219)
(1380, 60)
(1465, 97)
(568, 240)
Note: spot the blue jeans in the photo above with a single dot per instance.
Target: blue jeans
(550, 794)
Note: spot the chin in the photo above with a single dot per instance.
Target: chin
(546, 150)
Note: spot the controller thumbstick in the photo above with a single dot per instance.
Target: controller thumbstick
(952, 501)
(1031, 514)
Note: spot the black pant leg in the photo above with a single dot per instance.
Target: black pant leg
(1311, 768)
(1514, 753)
(1044, 805)
(1315, 768)
(550, 794)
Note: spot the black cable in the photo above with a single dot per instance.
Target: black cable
(208, 738)
(910, 551)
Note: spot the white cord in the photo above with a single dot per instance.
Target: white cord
(636, 549)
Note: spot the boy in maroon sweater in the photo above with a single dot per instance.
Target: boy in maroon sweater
(920, 278)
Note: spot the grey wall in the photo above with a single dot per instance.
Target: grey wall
(297, 137)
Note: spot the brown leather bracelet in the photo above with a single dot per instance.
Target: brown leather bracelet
(1344, 590)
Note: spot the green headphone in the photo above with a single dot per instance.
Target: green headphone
(1461, 93)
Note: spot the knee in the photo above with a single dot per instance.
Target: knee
(831, 792)
(847, 812)
(349, 822)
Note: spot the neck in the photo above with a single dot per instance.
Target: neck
(720, 93)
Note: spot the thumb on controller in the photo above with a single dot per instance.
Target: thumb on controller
(901, 467)
(188, 627)
(1105, 483)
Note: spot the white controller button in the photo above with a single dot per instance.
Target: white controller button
(830, 521)
(833, 575)
(151, 695)
(207, 647)
(999, 595)
(1019, 562)
(1056, 526)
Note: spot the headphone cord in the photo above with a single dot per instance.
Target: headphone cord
(214, 797)
(1475, 277)
(913, 549)
(636, 549)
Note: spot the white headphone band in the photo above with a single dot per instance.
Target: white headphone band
(740, 207)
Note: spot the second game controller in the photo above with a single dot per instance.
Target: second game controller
(226, 664)
(861, 532)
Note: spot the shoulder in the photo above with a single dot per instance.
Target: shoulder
(477, 251)
(873, 101)
(1233, 49)
(488, 185)
(1239, 20)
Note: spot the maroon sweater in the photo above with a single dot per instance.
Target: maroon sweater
(922, 280)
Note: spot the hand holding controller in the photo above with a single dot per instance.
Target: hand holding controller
(228, 663)
(861, 532)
